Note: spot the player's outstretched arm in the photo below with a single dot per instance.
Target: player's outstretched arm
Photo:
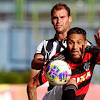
(97, 38)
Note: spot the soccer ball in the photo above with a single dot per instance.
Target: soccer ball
(58, 72)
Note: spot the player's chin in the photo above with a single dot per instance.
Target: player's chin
(76, 58)
(59, 32)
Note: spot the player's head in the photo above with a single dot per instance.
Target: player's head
(60, 6)
(76, 42)
(61, 18)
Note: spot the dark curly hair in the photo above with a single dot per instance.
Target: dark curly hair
(76, 30)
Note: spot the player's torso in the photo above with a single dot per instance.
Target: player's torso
(51, 47)
(82, 73)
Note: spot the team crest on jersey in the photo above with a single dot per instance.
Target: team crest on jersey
(86, 66)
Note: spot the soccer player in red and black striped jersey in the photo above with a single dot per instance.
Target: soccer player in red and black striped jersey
(82, 59)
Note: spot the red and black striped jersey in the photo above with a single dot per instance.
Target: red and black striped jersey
(49, 48)
(82, 71)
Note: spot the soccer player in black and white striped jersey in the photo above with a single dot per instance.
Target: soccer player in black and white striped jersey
(61, 20)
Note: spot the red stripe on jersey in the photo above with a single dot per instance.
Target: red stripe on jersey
(56, 54)
(73, 66)
(87, 57)
(43, 77)
(83, 90)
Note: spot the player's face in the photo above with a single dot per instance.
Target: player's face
(76, 46)
(61, 21)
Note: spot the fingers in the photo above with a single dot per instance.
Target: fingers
(97, 38)
(98, 33)
(72, 81)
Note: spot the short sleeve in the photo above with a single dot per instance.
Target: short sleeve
(41, 47)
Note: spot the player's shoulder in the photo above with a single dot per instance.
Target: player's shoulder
(47, 42)
(51, 40)
(59, 56)
(89, 43)
(44, 41)
(92, 49)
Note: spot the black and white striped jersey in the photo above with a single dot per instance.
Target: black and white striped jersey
(50, 47)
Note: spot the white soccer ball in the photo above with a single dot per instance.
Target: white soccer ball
(58, 72)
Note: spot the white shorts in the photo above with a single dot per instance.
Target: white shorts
(54, 94)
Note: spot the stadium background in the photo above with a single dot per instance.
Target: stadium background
(23, 24)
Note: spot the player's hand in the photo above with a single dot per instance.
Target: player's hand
(97, 38)
(71, 81)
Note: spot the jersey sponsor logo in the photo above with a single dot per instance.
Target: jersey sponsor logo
(83, 77)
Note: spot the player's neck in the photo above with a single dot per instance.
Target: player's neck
(61, 36)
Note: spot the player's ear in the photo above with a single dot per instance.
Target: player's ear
(70, 19)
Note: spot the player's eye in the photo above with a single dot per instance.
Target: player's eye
(79, 42)
(62, 16)
(70, 42)
(54, 17)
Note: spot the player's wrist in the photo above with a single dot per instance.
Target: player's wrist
(70, 87)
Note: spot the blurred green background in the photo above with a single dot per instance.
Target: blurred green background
(25, 23)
